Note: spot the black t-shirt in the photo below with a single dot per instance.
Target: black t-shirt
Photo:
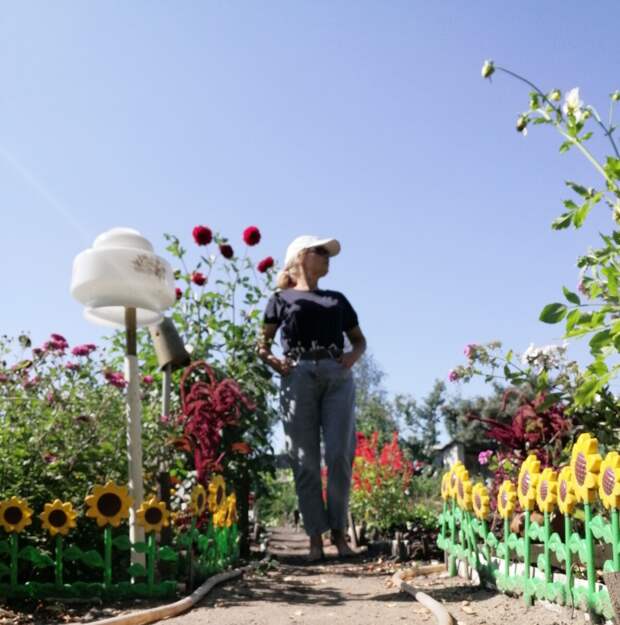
(310, 320)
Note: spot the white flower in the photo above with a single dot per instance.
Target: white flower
(572, 104)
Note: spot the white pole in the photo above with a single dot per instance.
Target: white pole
(134, 432)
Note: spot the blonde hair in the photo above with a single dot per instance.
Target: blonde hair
(287, 278)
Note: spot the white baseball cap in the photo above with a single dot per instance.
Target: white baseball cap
(307, 241)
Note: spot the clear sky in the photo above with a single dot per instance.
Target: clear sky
(366, 121)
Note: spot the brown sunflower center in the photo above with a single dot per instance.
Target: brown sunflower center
(57, 518)
(220, 495)
(13, 515)
(563, 490)
(452, 480)
(580, 468)
(153, 515)
(544, 490)
(609, 481)
(461, 490)
(504, 499)
(478, 502)
(525, 483)
(200, 501)
(109, 504)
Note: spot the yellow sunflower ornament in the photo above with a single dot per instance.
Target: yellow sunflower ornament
(108, 504)
(15, 514)
(58, 517)
(585, 463)
(547, 490)
(463, 490)
(506, 499)
(199, 500)
(528, 479)
(566, 493)
(454, 471)
(480, 501)
(445, 486)
(217, 493)
(231, 510)
(152, 515)
(609, 480)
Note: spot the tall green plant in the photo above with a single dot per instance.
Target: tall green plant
(595, 311)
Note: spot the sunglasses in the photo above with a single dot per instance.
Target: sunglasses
(320, 251)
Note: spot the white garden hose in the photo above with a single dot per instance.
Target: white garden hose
(173, 609)
(442, 616)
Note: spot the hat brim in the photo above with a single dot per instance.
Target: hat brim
(331, 245)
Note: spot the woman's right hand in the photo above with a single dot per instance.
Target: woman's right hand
(285, 366)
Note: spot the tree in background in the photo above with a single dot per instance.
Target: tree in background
(421, 420)
(375, 412)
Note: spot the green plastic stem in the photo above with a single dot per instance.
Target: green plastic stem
(526, 557)
(547, 537)
(485, 548)
(190, 555)
(151, 563)
(507, 552)
(443, 522)
(13, 546)
(568, 529)
(590, 554)
(615, 538)
(452, 557)
(473, 545)
(58, 561)
(107, 554)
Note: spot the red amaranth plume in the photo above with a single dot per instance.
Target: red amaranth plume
(208, 407)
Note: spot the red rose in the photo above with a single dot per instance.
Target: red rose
(179, 293)
(226, 250)
(251, 235)
(199, 278)
(202, 235)
(266, 263)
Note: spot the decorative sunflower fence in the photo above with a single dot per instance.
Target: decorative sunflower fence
(202, 545)
(562, 558)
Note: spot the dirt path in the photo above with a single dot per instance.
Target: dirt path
(355, 592)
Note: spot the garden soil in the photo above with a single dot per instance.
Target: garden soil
(289, 591)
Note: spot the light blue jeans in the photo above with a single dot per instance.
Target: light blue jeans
(317, 397)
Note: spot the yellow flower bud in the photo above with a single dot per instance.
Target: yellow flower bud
(615, 96)
(555, 95)
(522, 124)
(487, 69)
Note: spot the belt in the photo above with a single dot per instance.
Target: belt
(318, 354)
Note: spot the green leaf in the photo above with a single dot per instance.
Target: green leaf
(573, 298)
(566, 146)
(581, 213)
(168, 554)
(577, 188)
(122, 542)
(93, 559)
(140, 547)
(72, 553)
(562, 222)
(4, 547)
(137, 570)
(4, 570)
(553, 313)
(600, 340)
(612, 168)
(38, 559)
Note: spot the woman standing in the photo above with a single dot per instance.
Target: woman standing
(317, 391)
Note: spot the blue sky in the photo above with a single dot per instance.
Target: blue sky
(366, 121)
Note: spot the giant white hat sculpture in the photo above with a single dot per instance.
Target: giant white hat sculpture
(123, 283)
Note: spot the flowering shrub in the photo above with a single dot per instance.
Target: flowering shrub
(381, 481)
(597, 316)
